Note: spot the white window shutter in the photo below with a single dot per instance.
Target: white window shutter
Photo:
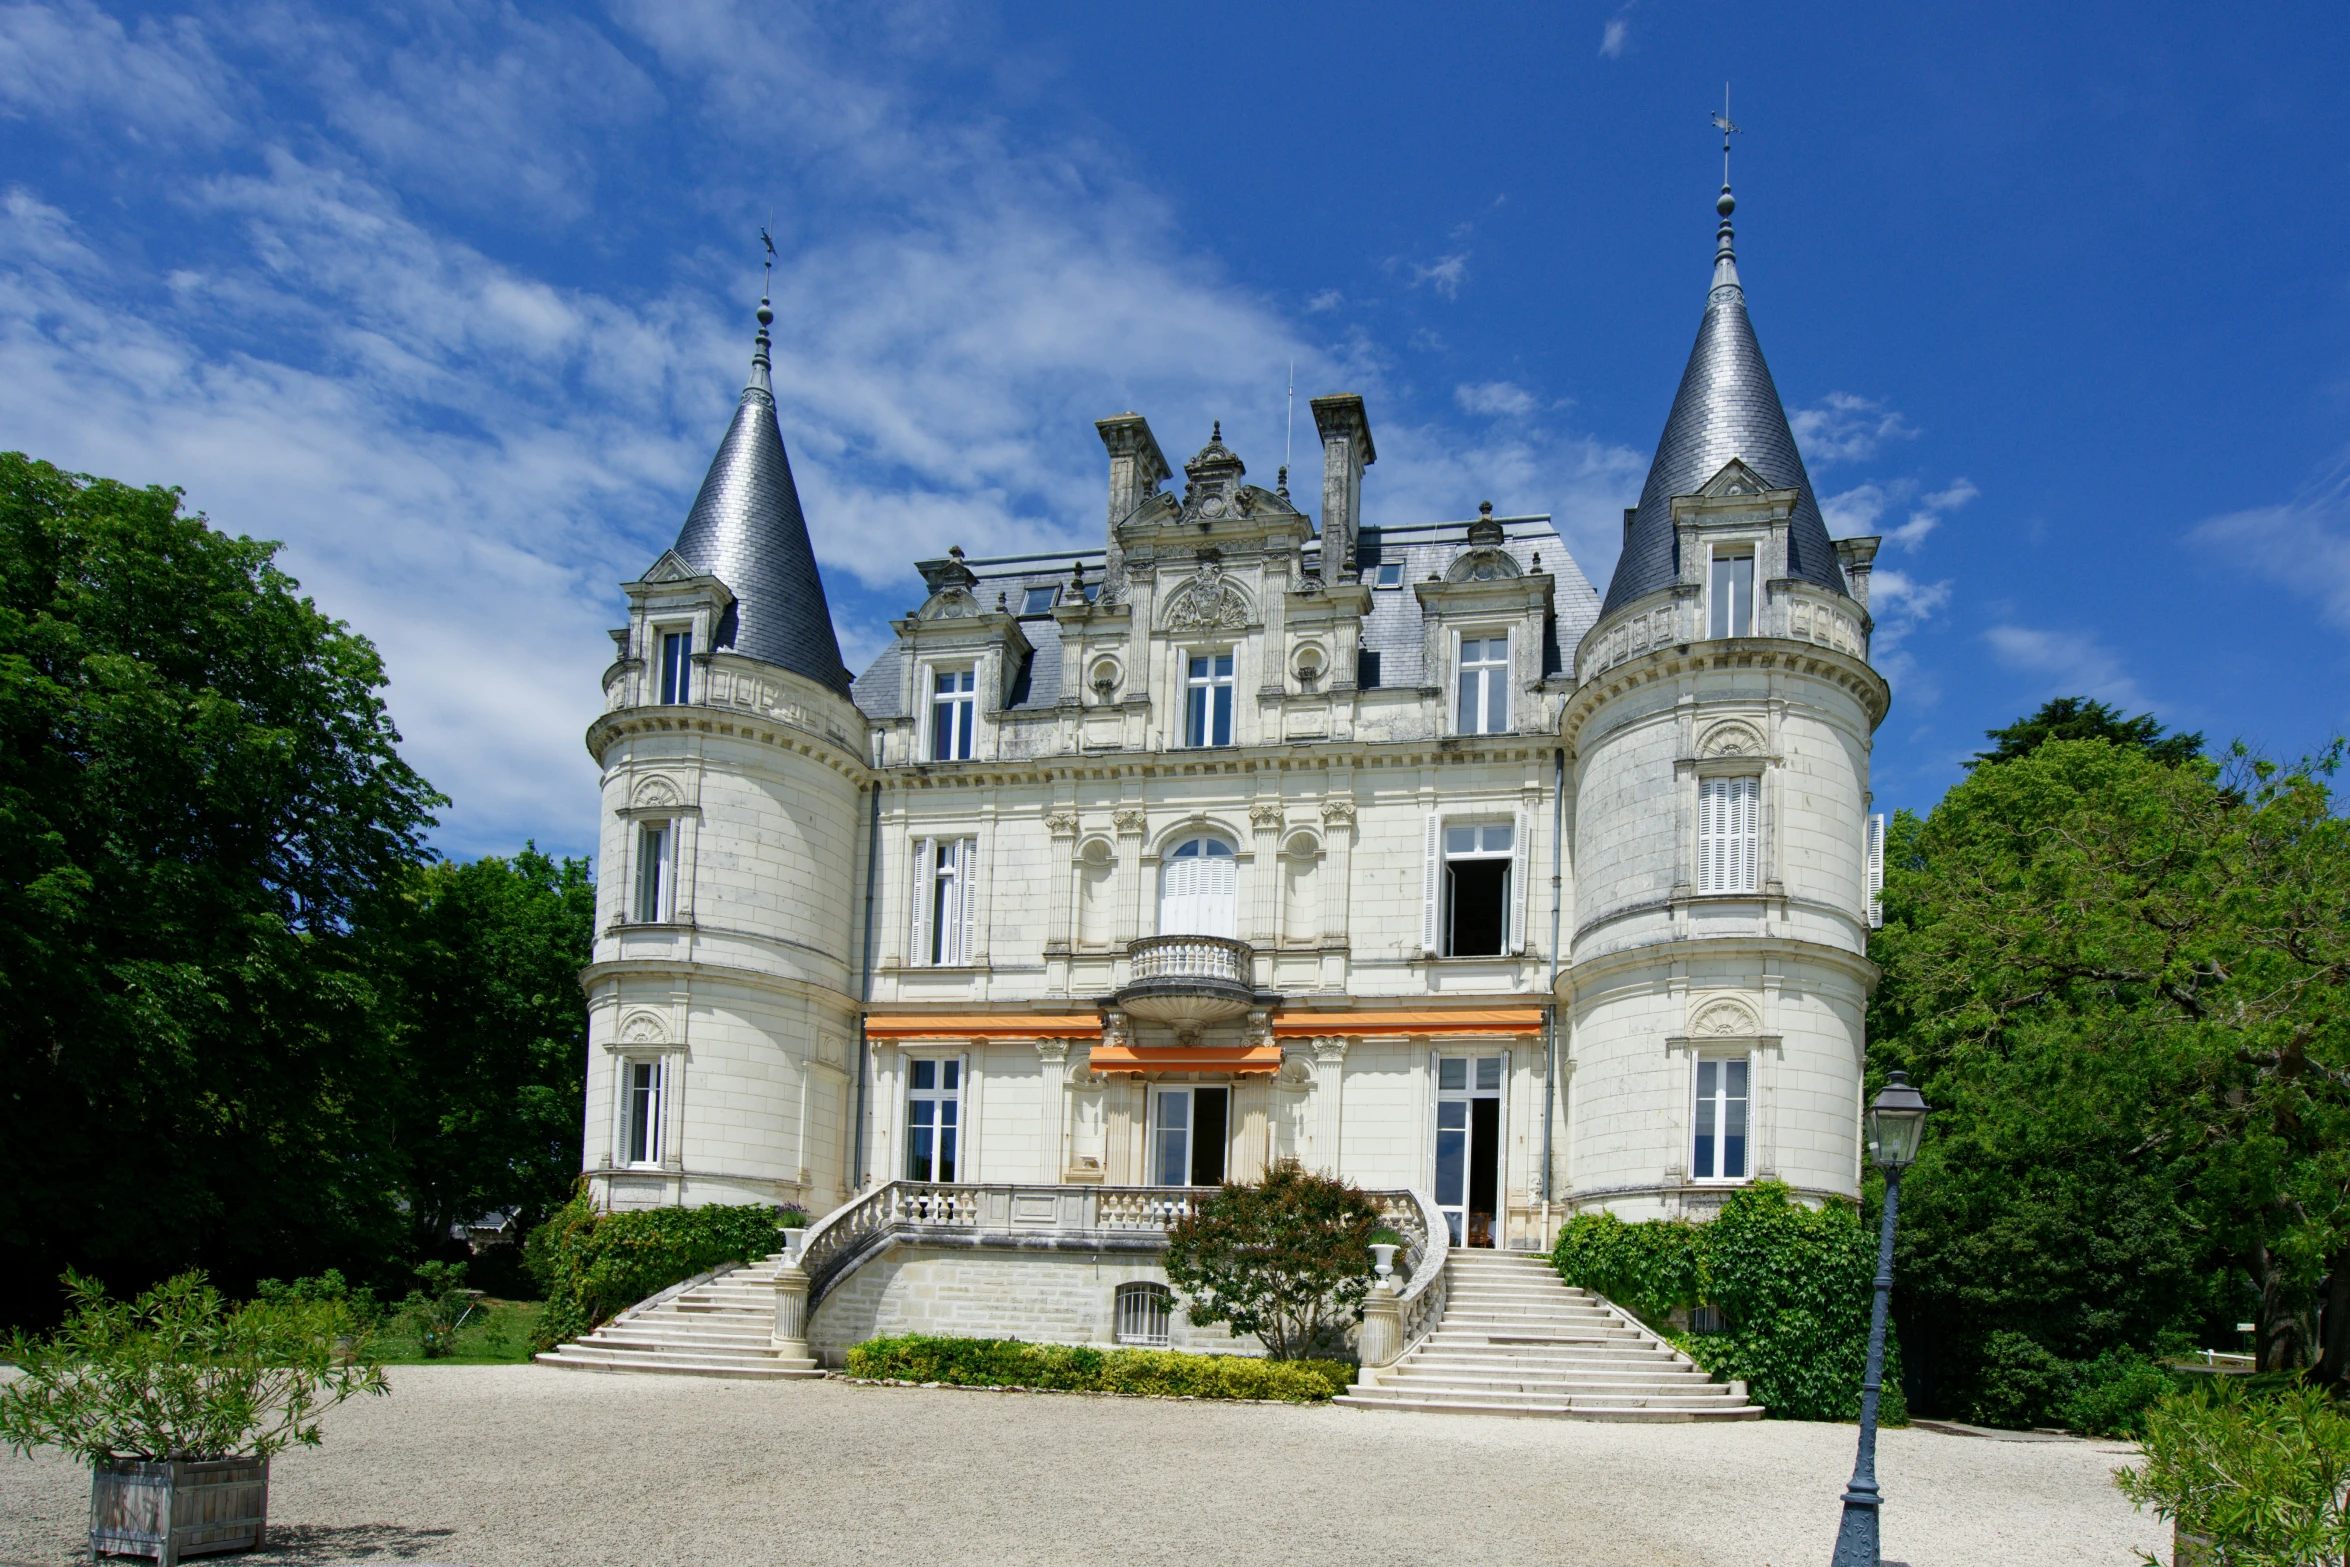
(924, 868)
(1748, 831)
(1876, 872)
(1521, 856)
(966, 888)
(1431, 885)
(1708, 808)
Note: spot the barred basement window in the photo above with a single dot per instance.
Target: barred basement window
(1707, 1319)
(1143, 1310)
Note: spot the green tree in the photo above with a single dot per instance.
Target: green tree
(2084, 718)
(478, 967)
(199, 785)
(1287, 1259)
(2121, 979)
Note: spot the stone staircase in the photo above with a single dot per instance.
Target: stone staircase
(716, 1326)
(1515, 1340)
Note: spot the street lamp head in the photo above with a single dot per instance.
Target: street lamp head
(1896, 1124)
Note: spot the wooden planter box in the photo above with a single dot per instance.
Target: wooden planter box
(188, 1508)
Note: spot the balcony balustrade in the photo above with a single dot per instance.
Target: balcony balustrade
(1188, 981)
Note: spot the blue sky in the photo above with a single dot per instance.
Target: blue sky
(454, 300)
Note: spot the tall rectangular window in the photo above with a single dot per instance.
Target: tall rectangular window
(951, 702)
(677, 668)
(1477, 863)
(1719, 1153)
(1732, 594)
(943, 906)
(1485, 685)
(640, 1086)
(1729, 840)
(934, 1118)
(1208, 701)
(656, 859)
(1188, 1133)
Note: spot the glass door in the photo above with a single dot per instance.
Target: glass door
(1188, 1135)
(1468, 1146)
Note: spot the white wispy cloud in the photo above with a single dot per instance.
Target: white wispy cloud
(1499, 399)
(2302, 547)
(1612, 37)
(2072, 663)
(1845, 428)
(1327, 299)
(1858, 510)
(1444, 274)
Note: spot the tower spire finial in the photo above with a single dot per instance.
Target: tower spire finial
(759, 356)
(1725, 252)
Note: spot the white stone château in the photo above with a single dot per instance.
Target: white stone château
(1260, 833)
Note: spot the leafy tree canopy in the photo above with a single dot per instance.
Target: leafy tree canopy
(199, 789)
(2121, 980)
(2084, 718)
(1287, 1259)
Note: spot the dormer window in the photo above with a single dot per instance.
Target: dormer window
(1731, 593)
(1038, 601)
(1390, 574)
(1485, 685)
(677, 668)
(1208, 701)
(951, 702)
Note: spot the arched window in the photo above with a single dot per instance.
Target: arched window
(1143, 1310)
(1198, 890)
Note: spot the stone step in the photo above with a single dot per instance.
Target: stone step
(1467, 1356)
(1633, 1415)
(719, 1353)
(571, 1358)
(1503, 1379)
(640, 1331)
(1559, 1399)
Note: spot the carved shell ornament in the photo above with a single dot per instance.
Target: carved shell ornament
(1724, 1019)
(1731, 739)
(655, 793)
(644, 1028)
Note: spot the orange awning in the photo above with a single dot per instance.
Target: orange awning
(1002, 1025)
(1425, 1020)
(1184, 1058)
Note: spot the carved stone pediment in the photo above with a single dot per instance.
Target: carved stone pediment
(949, 604)
(1491, 564)
(1724, 1018)
(1208, 602)
(1735, 478)
(1731, 738)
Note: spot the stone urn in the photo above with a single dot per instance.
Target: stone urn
(1383, 1260)
(184, 1507)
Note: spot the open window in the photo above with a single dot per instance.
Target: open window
(1188, 1127)
(1477, 866)
(944, 908)
(656, 873)
(640, 1111)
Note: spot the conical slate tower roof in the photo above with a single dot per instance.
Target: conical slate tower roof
(1727, 407)
(746, 529)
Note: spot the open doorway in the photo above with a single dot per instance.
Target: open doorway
(1188, 1136)
(1468, 1146)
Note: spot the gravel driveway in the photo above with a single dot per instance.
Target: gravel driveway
(493, 1465)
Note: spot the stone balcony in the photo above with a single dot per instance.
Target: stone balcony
(1187, 982)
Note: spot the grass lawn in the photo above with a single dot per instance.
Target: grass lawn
(497, 1333)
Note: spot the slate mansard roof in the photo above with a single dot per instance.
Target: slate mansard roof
(747, 530)
(1727, 407)
(1392, 629)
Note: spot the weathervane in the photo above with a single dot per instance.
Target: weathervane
(768, 240)
(1722, 121)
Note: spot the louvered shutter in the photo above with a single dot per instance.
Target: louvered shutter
(1876, 872)
(925, 866)
(1746, 833)
(1219, 896)
(1709, 832)
(1432, 868)
(1521, 857)
(966, 889)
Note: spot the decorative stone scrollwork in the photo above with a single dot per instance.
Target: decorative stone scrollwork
(1206, 603)
(1061, 824)
(1724, 1019)
(1265, 814)
(1116, 1031)
(1129, 821)
(1338, 812)
(949, 604)
(1731, 738)
(1484, 565)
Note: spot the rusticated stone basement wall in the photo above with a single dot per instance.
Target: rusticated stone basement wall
(1042, 1297)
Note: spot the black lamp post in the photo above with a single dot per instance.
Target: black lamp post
(1896, 1123)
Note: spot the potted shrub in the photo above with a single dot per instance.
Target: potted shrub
(177, 1402)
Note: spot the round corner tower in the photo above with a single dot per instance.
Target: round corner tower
(1719, 736)
(722, 1013)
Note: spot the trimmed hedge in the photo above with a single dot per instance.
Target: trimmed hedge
(595, 1265)
(1794, 1284)
(1008, 1362)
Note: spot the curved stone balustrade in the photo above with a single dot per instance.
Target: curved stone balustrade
(1188, 981)
(1414, 1215)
